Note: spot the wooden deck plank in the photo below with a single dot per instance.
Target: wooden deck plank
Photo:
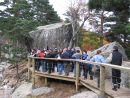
(122, 92)
(91, 84)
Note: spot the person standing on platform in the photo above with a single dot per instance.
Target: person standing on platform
(49, 62)
(65, 55)
(98, 58)
(43, 62)
(77, 56)
(59, 63)
(87, 67)
(115, 58)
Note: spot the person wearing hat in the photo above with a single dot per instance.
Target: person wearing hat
(115, 58)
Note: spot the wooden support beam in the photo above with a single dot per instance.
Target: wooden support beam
(94, 70)
(102, 82)
(33, 72)
(46, 81)
(66, 78)
(77, 76)
(29, 73)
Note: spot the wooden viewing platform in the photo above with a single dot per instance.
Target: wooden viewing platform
(105, 90)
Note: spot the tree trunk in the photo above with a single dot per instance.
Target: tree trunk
(101, 33)
(17, 73)
(76, 33)
(0, 54)
(125, 36)
(71, 44)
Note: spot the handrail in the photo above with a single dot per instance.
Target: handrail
(88, 62)
(102, 70)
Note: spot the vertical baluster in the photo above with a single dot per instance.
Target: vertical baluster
(33, 72)
(77, 76)
(29, 62)
(102, 82)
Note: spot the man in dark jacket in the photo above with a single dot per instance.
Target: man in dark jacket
(49, 62)
(65, 55)
(116, 59)
(77, 56)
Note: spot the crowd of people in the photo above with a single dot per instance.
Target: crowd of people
(66, 66)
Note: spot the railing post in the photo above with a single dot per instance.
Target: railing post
(33, 72)
(94, 69)
(46, 81)
(102, 82)
(77, 76)
(29, 62)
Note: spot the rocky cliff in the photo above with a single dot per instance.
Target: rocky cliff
(53, 35)
(106, 50)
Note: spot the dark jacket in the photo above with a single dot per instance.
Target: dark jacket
(116, 58)
(65, 55)
(50, 55)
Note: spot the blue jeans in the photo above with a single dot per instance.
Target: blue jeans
(36, 66)
(59, 68)
(87, 68)
(44, 67)
(66, 68)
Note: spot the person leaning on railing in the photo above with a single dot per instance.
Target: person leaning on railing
(77, 56)
(37, 61)
(98, 58)
(49, 62)
(87, 68)
(65, 55)
(43, 62)
(115, 58)
(59, 63)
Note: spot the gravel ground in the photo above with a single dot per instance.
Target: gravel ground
(62, 89)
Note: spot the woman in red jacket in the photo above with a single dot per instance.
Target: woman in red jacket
(43, 62)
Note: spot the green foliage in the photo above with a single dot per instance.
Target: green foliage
(15, 53)
(6, 48)
(121, 14)
(127, 50)
(100, 4)
(22, 16)
(127, 28)
(90, 40)
(44, 13)
(93, 39)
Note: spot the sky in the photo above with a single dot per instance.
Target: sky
(60, 6)
(1, 0)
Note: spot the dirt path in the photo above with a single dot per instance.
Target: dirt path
(62, 89)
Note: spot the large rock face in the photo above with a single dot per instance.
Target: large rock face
(125, 75)
(25, 91)
(53, 35)
(22, 91)
(106, 50)
(85, 94)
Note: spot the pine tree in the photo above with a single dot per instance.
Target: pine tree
(120, 9)
(44, 13)
(22, 16)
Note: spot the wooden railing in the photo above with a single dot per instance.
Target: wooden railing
(31, 61)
